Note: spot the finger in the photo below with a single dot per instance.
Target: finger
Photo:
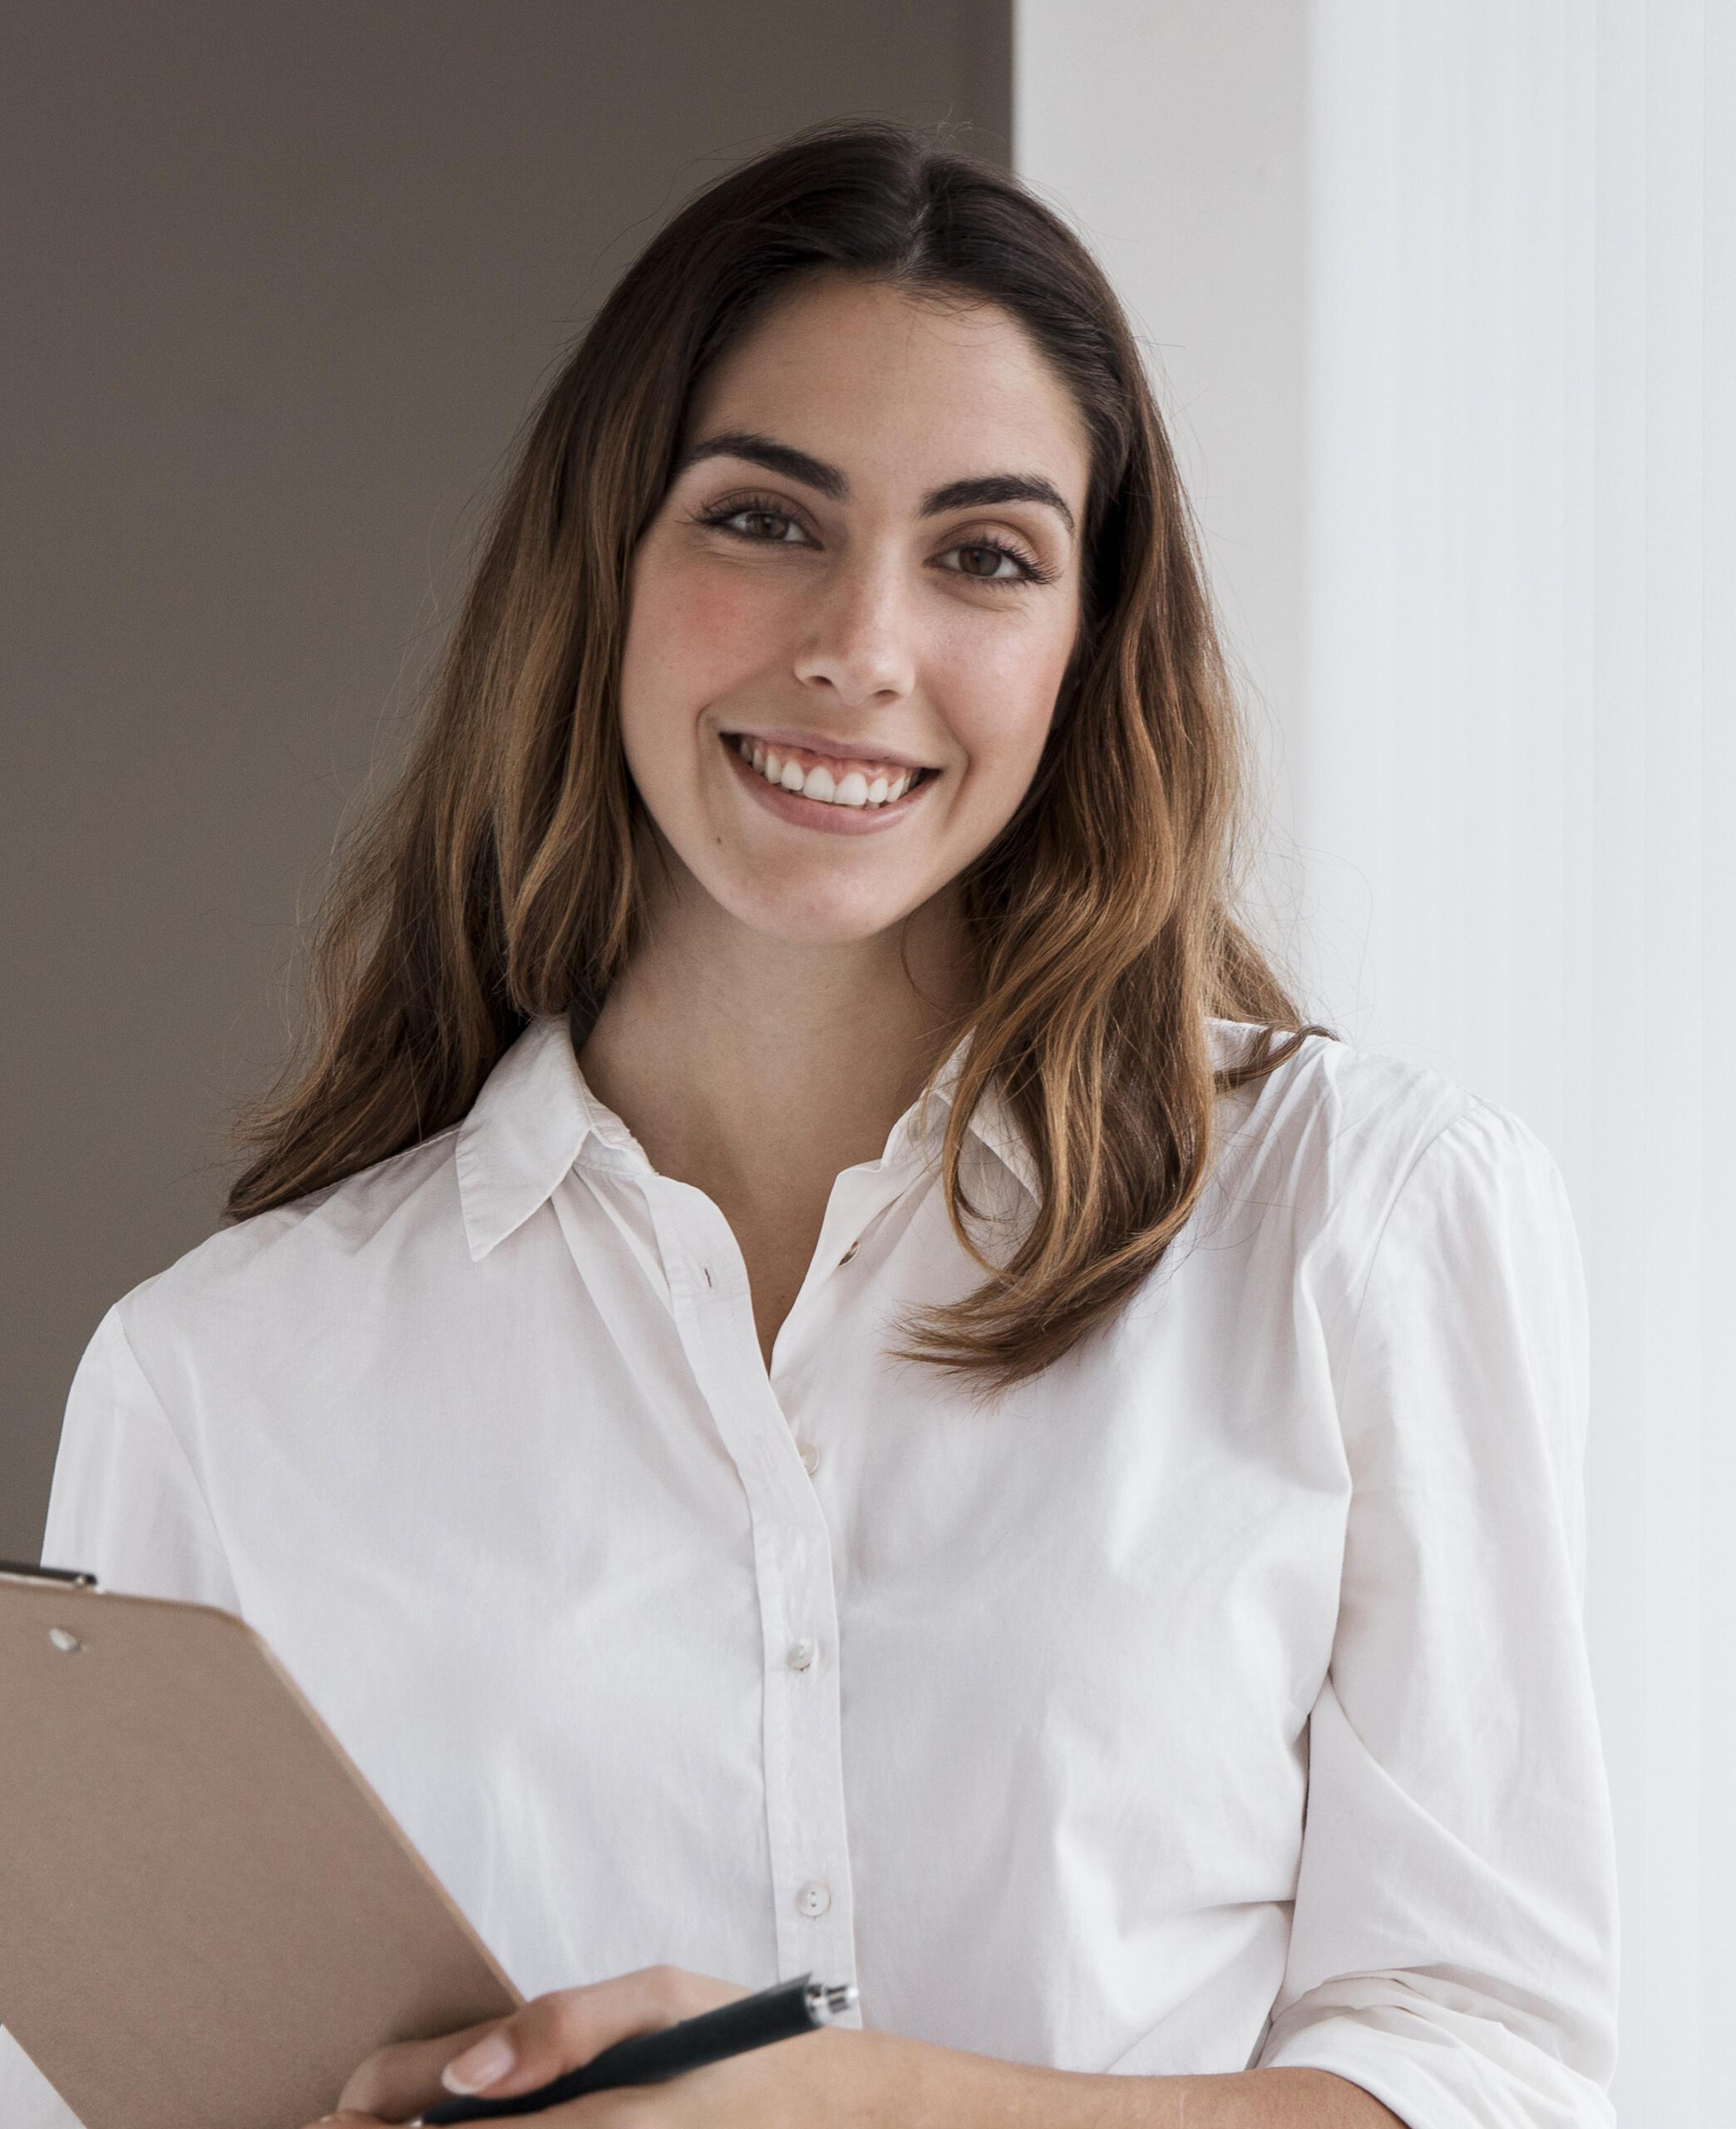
(560, 2032)
(398, 2081)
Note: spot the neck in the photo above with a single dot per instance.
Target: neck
(757, 1068)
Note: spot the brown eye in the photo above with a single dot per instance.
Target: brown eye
(758, 522)
(982, 561)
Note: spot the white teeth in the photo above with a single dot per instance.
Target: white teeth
(855, 788)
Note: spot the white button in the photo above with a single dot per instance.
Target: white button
(810, 1457)
(814, 1899)
(799, 1654)
(706, 1269)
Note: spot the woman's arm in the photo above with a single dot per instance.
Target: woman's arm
(127, 1505)
(845, 2080)
(1452, 1930)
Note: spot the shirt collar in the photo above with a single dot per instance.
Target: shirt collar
(535, 1115)
(991, 1122)
(524, 1131)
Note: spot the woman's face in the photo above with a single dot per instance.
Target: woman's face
(851, 614)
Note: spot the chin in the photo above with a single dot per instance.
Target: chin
(806, 916)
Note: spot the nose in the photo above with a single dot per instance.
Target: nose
(858, 647)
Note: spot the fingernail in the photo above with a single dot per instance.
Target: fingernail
(480, 2066)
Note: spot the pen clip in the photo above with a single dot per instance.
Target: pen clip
(827, 2004)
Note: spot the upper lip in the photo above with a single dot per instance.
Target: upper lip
(828, 744)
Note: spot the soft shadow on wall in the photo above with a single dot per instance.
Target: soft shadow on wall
(290, 281)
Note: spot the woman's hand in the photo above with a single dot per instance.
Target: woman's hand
(835, 2077)
(830, 2079)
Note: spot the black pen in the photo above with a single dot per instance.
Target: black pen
(779, 2013)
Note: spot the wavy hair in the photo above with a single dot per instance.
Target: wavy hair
(498, 881)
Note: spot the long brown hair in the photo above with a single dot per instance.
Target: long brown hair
(497, 881)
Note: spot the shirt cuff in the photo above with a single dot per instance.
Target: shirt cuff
(1436, 2068)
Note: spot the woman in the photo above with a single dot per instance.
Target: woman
(816, 1372)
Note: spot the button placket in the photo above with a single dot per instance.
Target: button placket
(803, 1753)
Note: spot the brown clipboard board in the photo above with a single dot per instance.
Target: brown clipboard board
(207, 1917)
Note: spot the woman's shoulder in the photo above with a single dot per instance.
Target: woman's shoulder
(315, 1246)
(1336, 1131)
(1326, 1083)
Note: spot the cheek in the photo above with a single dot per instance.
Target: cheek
(1001, 699)
(693, 637)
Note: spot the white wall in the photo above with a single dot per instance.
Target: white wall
(1510, 759)
(1173, 136)
(1483, 560)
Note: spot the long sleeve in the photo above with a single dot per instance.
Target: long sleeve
(1451, 1949)
(127, 1506)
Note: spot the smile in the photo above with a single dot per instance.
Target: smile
(803, 772)
(826, 793)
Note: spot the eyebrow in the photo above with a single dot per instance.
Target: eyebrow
(975, 493)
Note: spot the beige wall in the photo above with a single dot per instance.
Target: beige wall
(282, 283)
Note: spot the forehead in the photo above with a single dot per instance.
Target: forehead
(876, 378)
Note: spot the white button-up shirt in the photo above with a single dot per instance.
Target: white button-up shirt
(1217, 1699)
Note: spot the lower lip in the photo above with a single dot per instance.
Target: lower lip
(816, 812)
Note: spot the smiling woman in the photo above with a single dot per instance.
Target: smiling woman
(816, 1371)
(973, 567)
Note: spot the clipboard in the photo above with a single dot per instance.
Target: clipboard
(208, 1919)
